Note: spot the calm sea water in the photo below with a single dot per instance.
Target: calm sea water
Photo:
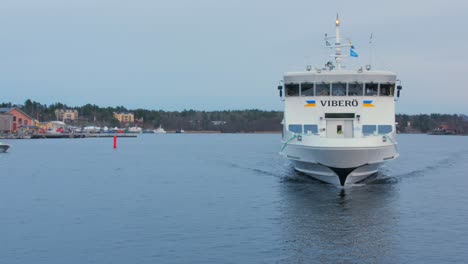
(185, 198)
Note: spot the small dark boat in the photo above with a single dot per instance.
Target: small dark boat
(4, 147)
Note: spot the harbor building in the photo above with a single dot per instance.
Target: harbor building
(18, 118)
(6, 123)
(66, 114)
(124, 117)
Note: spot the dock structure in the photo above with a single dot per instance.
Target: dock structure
(82, 135)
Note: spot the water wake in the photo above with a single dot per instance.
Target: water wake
(287, 174)
(257, 170)
(447, 162)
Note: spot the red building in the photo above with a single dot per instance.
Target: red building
(19, 118)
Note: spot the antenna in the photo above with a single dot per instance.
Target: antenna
(326, 40)
(368, 67)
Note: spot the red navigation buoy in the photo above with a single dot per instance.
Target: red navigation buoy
(115, 141)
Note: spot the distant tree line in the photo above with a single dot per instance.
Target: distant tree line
(423, 123)
(225, 121)
(228, 121)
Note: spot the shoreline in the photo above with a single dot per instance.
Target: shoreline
(220, 132)
(124, 135)
(135, 135)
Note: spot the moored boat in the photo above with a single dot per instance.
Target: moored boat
(159, 130)
(4, 147)
(134, 129)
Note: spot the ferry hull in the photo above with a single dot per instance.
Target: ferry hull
(339, 166)
(329, 175)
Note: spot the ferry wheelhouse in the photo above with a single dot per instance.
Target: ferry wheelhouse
(339, 124)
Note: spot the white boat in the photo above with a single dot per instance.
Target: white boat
(134, 130)
(91, 129)
(4, 147)
(339, 124)
(159, 130)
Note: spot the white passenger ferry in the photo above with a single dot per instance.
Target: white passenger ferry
(339, 124)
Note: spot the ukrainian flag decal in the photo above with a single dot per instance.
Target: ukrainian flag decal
(310, 103)
(367, 103)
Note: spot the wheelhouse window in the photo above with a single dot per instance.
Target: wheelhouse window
(372, 89)
(385, 129)
(307, 89)
(339, 89)
(295, 128)
(355, 89)
(310, 129)
(369, 129)
(387, 89)
(322, 89)
(292, 89)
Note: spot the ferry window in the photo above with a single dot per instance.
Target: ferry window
(339, 89)
(292, 89)
(310, 129)
(355, 89)
(387, 89)
(385, 129)
(295, 128)
(339, 115)
(369, 129)
(339, 129)
(322, 89)
(307, 89)
(371, 89)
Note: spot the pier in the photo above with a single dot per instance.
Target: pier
(82, 135)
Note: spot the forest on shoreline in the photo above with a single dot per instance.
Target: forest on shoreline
(226, 121)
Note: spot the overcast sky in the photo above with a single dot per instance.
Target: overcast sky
(216, 55)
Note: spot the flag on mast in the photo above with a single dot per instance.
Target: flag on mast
(352, 53)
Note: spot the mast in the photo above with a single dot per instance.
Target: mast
(338, 47)
(337, 43)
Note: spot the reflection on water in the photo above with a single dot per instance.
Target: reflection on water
(327, 223)
(226, 199)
